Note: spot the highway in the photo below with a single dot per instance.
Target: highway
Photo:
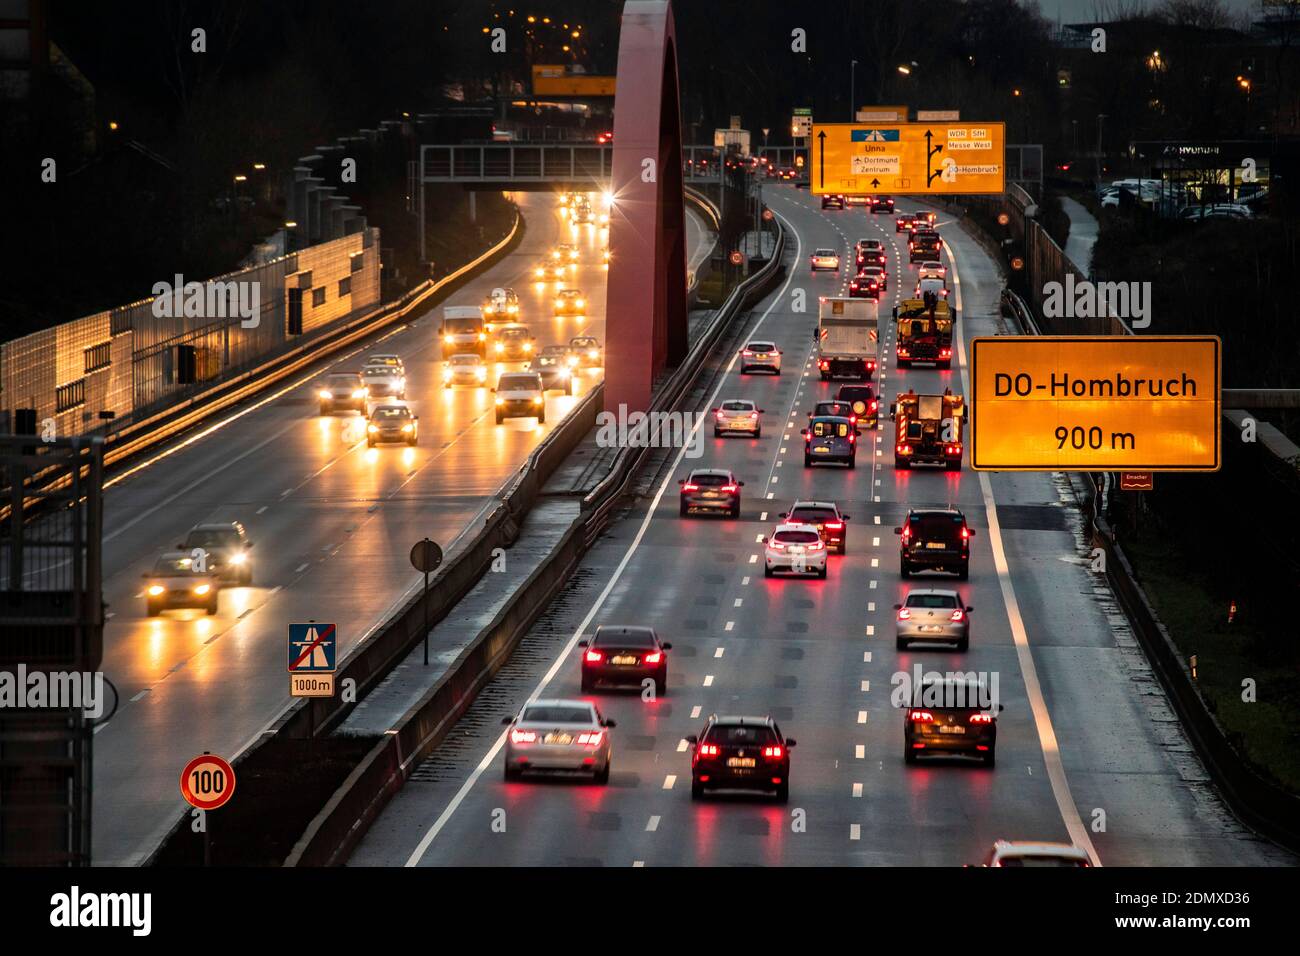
(332, 523)
(1089, 750)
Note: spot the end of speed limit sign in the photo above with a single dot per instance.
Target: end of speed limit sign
(207, 782)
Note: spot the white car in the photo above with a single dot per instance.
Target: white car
(520, 395)
(464, 369)
(797, 548)
(932, 270)
(931, 285)
(760, 355)
(384, 381)
(825, 259)
(737, 415)
(563, 735)
(1020, 853)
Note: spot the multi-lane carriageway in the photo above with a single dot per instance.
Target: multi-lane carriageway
(1089, 750)
(332, 523)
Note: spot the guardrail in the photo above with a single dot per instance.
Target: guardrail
(334, 832)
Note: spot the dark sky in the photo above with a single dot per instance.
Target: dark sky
(1075, 11)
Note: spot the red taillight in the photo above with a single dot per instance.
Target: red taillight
(853, 439)
(591, 738)
(903, 450)
(595, 657)
(654, 657)
(690, 487)
(981, 718)
(773, 753)
(958, 615)
(728, 488)
(747, 352)
(816, 546)
(834, 525)
(823, 364)
(904, 614)
(720, 413)
(754, 416)
(708, 750)
(776, 545)
(965, 533)
(903, 353)
(920, 716)
(874, 405)
(523, 736)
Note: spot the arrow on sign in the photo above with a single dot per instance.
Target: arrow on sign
(875, 183)
(929, 154)
(821, 158)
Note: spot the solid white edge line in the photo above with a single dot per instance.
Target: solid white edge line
(427, 840)
(1038, 705)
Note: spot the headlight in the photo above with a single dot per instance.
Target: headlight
(580, 303)
(359, 393)
(482, 336)
(481, 373)
(537, 400)
(500, 347)
(408, 428)
(448, 339)
(573, 360)
(593, 353)
(528, 346)
(371, 429)
(512, 309)
(202, 588)
(239, 558)
(156, 589)
(326, 395)
(501, 401)
(540, 273)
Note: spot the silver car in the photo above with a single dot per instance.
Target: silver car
(933, 615)
(384, 381)
(559, 735)
(737, 415)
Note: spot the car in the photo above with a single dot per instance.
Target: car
(873, 257)
(564, 252)
(587, 351)
(853, 200)
(932, 615)
(1035, 853)
(883, 204)
(570, 302)
(788, 173)
(936, 286)
(548, 271)
(934, 539)
(501, 305)
(929, 218)
(862, 400)
(173, 583)
(342, 390)
(710, 489)
(383, 381)
(552, 364)
(389, 423)
(737, 415)
(625, 655)
(864, 286)
(904, 222)
(794, 547)
(931, 270)
(225, 547)
(740, 753)
(879, 273)
(388, 359)
(763, 355)
(868, 245)
(826, 517)
(951, 716)
(559, 735)
(604, 256)
(1215, 211)
(830, 440)
(513, 343)
(464, 369)
(824, 259)
(832, 202)
(520, 395)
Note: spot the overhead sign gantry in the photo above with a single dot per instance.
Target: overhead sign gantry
(908, 158)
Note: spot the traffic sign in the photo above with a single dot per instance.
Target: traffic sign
(207, 782)
(426, 555)
(800, 125)
(736, 257)
(311, 685)
(908, 158)
(1136, 481)
(312, 648)
(938, 116)
(1096, 403)
(881, 114)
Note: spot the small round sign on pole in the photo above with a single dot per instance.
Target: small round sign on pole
(736, 257)
(426, 556)
(207, 782)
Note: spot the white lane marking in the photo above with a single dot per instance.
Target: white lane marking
(771, 495)
(301, 568)
(652, 824)
(638, 863)
(708, 680)
(866, 657)
(862, 716)
(872, 585)
(871, 606)
(719, 651)
(860, 751)
(866, 687)
(459, 797)
(877, 519)
(855, 831)
(141, 694)
(753, 558)
(762, 515)
(261, 509)
(730, 625)
(695, 712)
(744, 581)
(875, 562)
(669, 781)
(682, 745)
(739, 602)
(857, 790)
(871, 630)
(875, 542)
(758, 538)
(1038, 706)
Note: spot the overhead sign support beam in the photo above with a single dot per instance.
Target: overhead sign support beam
(922, 159)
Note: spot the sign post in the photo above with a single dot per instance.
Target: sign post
(207, 783)
(425, 557)
(1123, 403)
(908, 158)
(312, 658)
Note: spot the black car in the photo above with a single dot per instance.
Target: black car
(625, 655)
(862, 399)
(832, 202)
(835, 408)
(935, 540)
(343, 390)
(825, 516)
(740, 753)
(905, 222)
(951, 716)
(882, 204)
(864, 286)
(873, 257)
(711, 489)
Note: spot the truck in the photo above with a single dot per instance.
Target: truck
(924, 333)
(848, 338)
(462, 330)
(928, 429)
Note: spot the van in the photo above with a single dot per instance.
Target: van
(463, 330)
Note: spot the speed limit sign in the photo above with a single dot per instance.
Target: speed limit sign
(207, 782)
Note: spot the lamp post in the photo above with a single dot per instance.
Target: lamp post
(853, 68)
(1101, 119)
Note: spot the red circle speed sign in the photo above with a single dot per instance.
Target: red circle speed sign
(207, 782)
(737, 258)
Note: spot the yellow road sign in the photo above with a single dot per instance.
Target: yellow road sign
(1096, 403)
(908, 158)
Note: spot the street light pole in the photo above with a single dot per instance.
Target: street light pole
(1101, 119)
(853, 88)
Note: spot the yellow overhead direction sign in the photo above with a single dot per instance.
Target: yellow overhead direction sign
(1096, 403)
(902, 158)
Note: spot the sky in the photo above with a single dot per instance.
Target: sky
(1076, 11)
